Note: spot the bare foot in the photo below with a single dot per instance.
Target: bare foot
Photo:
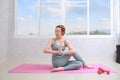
(87, 66)
(57, 69)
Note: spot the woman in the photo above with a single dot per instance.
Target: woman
(60, 57)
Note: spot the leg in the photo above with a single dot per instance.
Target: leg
(60, 61)
(75, 64)
(72, 65)
(78, 58)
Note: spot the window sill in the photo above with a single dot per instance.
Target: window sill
(66, 36)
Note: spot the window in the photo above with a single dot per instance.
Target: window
(50, 16)
(100, 17)
(27, 17)
(80, 17)
(76, 17)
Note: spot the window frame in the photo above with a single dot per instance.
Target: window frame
(118, 16)
(63, 21)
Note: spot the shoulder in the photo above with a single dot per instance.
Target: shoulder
(67, 41)
(51, 40)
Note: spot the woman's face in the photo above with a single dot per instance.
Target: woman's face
(58, 32)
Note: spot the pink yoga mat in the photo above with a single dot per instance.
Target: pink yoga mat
(46, 68)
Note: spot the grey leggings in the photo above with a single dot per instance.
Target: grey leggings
(63, 61)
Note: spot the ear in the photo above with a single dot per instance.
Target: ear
(63, 33)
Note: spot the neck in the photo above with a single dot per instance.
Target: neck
(59, 38)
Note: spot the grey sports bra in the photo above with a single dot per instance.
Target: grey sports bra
(55, 46)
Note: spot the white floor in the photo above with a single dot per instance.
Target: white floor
(10, 63)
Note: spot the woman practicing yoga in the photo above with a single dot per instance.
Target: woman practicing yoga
(60, 57)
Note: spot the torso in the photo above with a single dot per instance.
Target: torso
(56, 44)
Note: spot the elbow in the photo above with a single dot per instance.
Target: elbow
(72, 52)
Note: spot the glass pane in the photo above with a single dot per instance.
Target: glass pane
(27, 17)
(76, 0)
(76, 3)
(76, 20)
(100, 17)
(52, 3)
(50, 17)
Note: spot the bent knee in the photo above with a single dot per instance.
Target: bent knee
(79, 64)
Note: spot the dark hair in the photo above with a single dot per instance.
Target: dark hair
(62, 28)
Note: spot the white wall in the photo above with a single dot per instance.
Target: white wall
(89, 48)
(32, 48)
(4, 17)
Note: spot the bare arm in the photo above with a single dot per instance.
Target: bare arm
(47, 48)
(71, 49)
